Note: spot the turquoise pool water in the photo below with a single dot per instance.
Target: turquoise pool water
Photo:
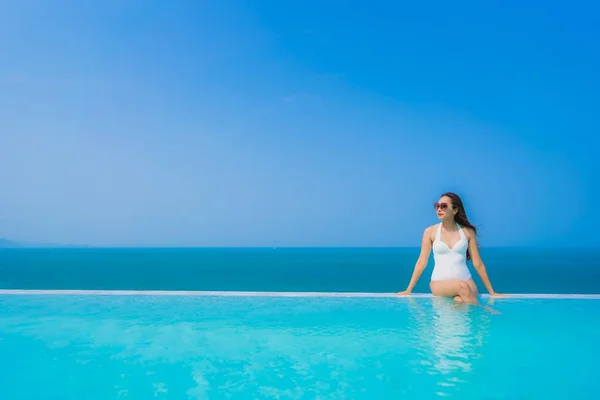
(246, 347)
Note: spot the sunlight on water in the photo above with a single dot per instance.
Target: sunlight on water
(217, 348)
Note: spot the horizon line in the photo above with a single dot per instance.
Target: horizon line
(71, 292)
(17, 245)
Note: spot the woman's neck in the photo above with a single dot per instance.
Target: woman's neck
(449, 225)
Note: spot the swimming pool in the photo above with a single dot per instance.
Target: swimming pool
(152, 346)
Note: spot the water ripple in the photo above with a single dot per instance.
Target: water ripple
(214, 348)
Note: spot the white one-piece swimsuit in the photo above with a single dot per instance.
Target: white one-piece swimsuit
(450, 263)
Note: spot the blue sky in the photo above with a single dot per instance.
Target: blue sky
(224, 123)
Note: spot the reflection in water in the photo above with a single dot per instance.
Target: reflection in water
(205, 347)
(449, 339)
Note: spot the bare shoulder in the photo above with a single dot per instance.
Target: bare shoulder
(469, 232)
(430, 231)
(431, 228)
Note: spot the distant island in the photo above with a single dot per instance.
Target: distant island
(8, 243)
(11, 244)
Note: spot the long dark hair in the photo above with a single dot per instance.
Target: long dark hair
(461, 216)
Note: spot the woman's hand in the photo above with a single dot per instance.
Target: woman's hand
(494, 294)
(404, 293)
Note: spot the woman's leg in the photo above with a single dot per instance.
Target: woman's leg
(473, 286)
(464, 291)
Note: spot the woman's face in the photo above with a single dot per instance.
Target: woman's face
(443, 208)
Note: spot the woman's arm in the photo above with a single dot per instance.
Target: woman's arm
(421, 262)
(478, 263)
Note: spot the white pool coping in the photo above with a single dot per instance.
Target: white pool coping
(272, 294)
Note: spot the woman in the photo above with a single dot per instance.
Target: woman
(454, 242)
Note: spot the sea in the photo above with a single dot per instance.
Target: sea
(511, 270)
